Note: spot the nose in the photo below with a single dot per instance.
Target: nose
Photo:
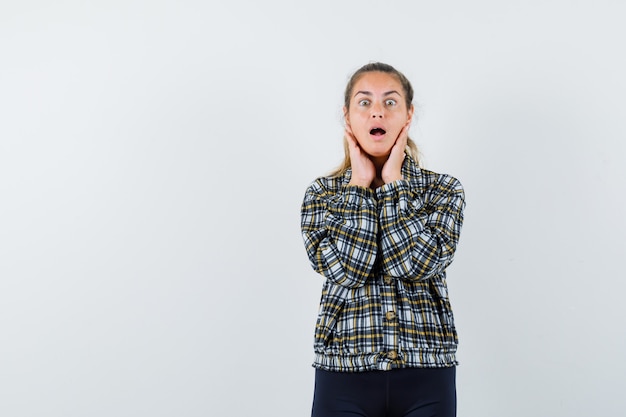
(377, 111)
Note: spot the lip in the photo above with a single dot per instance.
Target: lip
(377, 137)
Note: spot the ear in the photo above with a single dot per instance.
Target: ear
(345, 115)
(410, 118)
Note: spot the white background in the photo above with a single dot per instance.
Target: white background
(153, 158)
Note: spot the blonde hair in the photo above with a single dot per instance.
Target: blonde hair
(411, 147)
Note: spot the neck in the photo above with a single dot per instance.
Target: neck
(378, 182)
(379, 163)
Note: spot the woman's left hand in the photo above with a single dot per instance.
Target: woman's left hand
(392, 170)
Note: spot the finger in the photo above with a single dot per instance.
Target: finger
(403, 137)
(348, 130)
(404, 133)
(348, 127)
(399, 147)
(351, 140)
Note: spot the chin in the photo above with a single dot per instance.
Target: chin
(378, 153)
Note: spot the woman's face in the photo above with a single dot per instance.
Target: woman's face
(377, 112)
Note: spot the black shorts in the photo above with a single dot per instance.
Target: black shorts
(409, 392)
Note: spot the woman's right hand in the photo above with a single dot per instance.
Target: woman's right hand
(363, 170)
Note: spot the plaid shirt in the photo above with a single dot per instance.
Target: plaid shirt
(384, 253)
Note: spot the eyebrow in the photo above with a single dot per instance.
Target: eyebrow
(368, 93)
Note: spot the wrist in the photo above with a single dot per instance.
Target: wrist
(359, 182)
(392, 178)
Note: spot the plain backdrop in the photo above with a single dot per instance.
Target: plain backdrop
(153, 159)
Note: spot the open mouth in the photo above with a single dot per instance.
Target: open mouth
(377, 131)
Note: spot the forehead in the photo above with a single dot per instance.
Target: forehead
(377, 82)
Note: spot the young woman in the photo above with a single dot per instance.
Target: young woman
(382, 231)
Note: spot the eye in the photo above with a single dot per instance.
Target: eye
(390, 102)
(364, 102)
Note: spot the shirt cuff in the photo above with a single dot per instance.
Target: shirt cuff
(392, 189)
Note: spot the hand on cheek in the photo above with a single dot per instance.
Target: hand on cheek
(392, 170)
(363, 170)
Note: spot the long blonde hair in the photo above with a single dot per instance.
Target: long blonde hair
(411, 147)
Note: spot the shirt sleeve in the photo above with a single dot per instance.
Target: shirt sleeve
(340, 233)
(418, 238)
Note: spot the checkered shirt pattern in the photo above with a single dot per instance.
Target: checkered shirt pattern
(384, 255)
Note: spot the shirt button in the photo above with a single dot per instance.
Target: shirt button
(390, 315)
(392, 355)
(388, 280)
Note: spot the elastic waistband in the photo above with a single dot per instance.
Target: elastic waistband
(382, 362)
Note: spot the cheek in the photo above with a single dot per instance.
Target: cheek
(357, 119)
